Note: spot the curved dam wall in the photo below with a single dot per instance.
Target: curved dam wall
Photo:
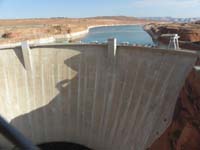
(102, 96)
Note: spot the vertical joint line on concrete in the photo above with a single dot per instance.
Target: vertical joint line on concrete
(26, 55)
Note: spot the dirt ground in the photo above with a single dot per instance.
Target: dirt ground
(25, 29)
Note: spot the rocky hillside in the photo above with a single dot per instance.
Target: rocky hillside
(197, 22)
(189, 33)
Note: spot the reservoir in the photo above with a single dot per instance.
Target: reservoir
(132, 34)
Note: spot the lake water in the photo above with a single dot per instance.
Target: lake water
(133, 34)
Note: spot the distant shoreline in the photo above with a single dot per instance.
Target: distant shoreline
(47, 30)
(73, 36)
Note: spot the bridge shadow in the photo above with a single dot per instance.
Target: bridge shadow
(57, 120)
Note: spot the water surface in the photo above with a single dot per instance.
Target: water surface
(133, 34)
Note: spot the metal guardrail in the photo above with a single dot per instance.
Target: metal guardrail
(15, 137)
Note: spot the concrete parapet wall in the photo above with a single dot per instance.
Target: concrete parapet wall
(75, 93)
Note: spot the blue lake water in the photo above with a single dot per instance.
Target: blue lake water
(133, 34)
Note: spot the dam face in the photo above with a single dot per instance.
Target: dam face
(105, 97)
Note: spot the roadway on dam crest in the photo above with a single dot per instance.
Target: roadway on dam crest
(101, 96)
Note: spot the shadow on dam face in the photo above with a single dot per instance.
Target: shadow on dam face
(90, 96)
(65, 105)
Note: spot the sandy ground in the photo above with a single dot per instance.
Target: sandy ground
(26, 29)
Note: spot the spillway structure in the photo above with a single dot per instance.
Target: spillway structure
(103, 96)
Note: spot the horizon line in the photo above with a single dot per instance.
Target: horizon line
(65, 17)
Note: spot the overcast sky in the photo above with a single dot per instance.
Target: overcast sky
(88, 8)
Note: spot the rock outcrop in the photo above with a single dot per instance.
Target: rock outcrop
(197, 22)
(189, 33)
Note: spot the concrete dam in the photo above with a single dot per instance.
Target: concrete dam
(105, 97)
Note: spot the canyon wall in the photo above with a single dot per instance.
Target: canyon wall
(189, 34)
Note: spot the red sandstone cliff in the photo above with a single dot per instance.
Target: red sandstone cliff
(189, 33)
